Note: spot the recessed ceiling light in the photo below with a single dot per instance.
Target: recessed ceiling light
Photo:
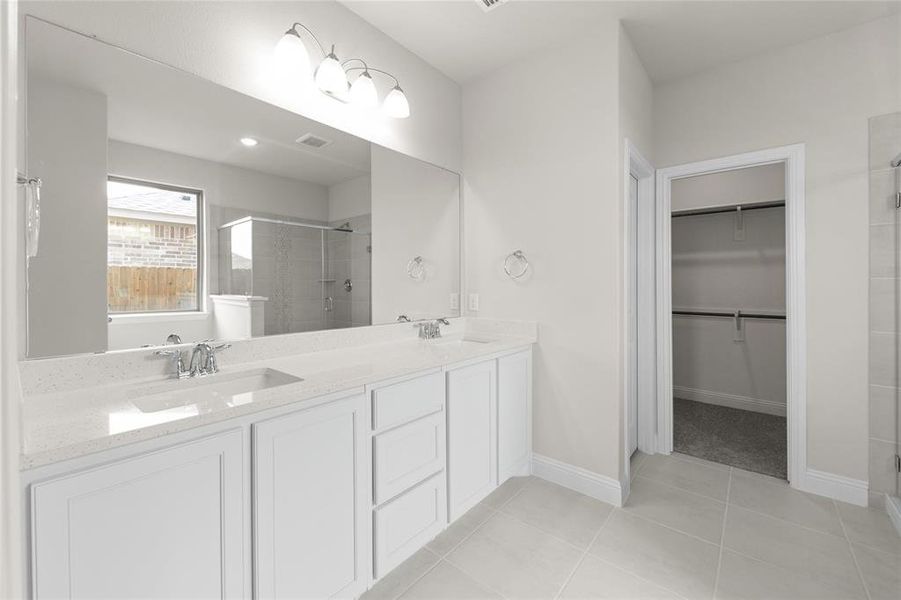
(249, 142)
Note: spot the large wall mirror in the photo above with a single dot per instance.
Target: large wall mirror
(172, 206)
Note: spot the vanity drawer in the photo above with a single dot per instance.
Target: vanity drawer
(406, 455)
(402, 402)
(408, 522)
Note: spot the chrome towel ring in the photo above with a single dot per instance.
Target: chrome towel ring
(516, 264)
(416, 269)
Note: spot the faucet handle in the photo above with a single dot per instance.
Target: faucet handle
(220, 347)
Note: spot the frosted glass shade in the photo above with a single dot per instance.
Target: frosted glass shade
(330, 77)
(291, 56)
(396, 104)
(363, 92)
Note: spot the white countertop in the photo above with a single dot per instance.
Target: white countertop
(66, 424)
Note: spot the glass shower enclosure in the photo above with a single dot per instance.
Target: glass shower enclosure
(312, 276)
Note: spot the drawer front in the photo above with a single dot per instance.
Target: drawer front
(408, 523)
(406, 455)
(402, 402)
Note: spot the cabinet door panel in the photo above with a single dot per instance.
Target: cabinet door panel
(164, 525)
(472, 435)
(514, 374)
(309, 504)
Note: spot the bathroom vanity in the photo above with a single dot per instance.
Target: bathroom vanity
(299, 475)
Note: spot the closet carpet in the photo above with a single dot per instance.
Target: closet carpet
(738, 438)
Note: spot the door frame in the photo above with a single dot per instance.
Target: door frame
(793, 157)
(635, 165)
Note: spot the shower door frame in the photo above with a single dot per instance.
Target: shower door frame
(793, 157)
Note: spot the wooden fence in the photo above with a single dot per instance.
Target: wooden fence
(143, 289)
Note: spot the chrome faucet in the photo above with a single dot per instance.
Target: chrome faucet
(203, 360)
(429, 330)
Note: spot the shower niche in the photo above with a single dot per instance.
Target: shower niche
(299, 276)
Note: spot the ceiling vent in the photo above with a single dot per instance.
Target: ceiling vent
(490, 4)
(312, 141)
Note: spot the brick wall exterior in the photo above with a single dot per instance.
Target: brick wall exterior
(138, 243)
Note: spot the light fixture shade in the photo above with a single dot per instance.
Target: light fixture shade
(291, 56)
(396, 104)
(363, 92)
(330, 76)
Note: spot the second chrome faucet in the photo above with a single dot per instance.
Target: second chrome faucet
(203, 360)
(429, 330)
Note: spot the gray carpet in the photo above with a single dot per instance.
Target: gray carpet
(738, 438)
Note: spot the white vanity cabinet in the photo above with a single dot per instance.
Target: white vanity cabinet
(166, 524)
(409, 499)
(311, 502)
(514, 415)
(472, 435)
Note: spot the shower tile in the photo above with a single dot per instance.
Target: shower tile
(883, 354)
(883, 185)
(883, 412)
(882, 251)
(885, 139)
(883, 292)
(882, 466)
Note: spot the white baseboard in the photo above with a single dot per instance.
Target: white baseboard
(760, 405)
(581, 480)
(893, 507)
(837, 487)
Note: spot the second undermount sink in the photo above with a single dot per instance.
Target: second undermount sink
(230, 389)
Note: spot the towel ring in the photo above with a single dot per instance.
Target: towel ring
(416, 269)
(517, 257)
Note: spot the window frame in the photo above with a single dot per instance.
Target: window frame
(200, 283)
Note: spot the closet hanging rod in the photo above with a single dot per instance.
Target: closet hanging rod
(727, 314)
(726, 209)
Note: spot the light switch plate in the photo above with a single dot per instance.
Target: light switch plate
(455, 301)
(474, 302)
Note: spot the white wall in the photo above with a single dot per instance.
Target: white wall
(765, 183)
(231, 43)
(820, 93)
(350, 198)
(415, 212)
(67, 306)
(541, 156)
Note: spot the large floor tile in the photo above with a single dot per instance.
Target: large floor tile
(746, 578)
(515, 559)
(881, 572)
(688, 475)
(673, 560)
(459, 529)
(804, 551)
(447, 582)
(777, 499)
(402, 577)
(635, 461)
(506, 491)
(870, 526)
(597, 579)
(691, 513)
(564, 513)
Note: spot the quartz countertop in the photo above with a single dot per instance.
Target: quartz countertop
(65, 424)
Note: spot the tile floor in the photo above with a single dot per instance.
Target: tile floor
(691, 529)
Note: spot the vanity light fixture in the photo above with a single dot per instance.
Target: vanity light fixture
(249, 142)
(331, 76)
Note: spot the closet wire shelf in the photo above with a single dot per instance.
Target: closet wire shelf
(726, 314)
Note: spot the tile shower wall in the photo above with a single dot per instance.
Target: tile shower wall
(349, 265)
(885, 144)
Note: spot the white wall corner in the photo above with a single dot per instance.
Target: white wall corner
(594, 485)
(837, 487)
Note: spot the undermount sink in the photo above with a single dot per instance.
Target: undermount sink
(231, 389)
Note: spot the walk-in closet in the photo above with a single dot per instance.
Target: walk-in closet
(728, 300)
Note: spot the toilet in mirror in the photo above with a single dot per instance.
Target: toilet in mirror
(175, 210)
